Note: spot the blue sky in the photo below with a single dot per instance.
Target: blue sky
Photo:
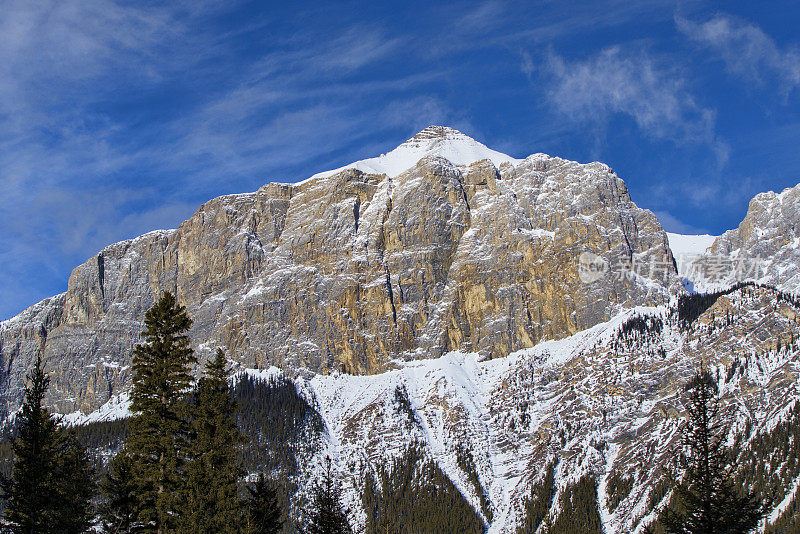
(117, 118)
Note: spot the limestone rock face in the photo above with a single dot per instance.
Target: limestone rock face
(764, 248)
(356, 269)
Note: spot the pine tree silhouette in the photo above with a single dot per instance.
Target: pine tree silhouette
(50, 488)
(707, 502)
(326, 515)
(119, 508)
(213, 469)
(262, 511)
(159, 429)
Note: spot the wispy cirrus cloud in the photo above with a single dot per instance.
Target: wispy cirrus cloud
(485, 16)
(62, 64)
(300, 104)
(650, 90)
(631, 83)
(747, 51)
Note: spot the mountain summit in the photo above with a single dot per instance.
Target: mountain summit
(514, 319)
(454, 146)
(441, 244)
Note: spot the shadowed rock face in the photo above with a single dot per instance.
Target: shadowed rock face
(353, 271)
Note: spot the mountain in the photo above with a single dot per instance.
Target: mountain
(604, 405)
(359, 271)
(765, 247)
(492, 323)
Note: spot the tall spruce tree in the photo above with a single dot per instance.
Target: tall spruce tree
(213, 469)
(326, 515)
(262, 513)
(159, 430)
(119, 509)
(29, 490)
(74, 485)
(50, 488)
(706, 500)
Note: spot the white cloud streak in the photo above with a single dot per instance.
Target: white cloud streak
(747, 51)
(619, 81)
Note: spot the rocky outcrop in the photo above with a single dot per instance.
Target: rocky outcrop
(764, 248)
(350, 270)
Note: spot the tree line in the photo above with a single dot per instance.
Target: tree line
(179, 469)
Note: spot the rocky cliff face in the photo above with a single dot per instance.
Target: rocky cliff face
(764, 248)
(439, 245)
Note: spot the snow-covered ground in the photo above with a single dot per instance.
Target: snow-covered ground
(689, 245)
(686, 249)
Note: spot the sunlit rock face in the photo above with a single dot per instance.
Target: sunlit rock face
(765, 247)
(441, 244)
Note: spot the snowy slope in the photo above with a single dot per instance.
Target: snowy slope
(598, 404)
(459, 149)
(689, 245)
(686, 249)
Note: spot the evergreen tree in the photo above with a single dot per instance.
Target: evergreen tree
(213, 469)
(74, 486)
(159, 430)
(707, 502)
(327, 516)
(538, 505)
(262, 511)
(29, 490)
(119, 509)
(50, 488)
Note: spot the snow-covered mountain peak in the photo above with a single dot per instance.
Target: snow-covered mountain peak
(456, 147)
